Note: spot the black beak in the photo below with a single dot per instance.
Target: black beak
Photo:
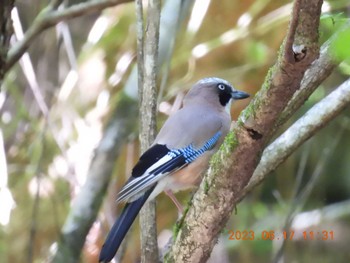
(239, 95)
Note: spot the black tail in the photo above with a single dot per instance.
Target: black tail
(121, 227)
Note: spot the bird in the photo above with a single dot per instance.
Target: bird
(179, 155)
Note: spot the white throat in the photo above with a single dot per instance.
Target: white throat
(228, 107)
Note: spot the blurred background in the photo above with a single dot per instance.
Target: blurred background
(78, 78)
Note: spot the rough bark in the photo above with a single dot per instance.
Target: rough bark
(234, 164)
(314, 76)
(313, 120)
(5, 34)
(147, 113)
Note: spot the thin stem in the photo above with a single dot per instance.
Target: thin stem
(148, 109)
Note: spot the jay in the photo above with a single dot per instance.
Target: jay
(179, 154)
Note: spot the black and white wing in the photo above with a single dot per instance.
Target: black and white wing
(159, 161)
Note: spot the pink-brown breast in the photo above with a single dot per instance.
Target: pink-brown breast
(191, 175)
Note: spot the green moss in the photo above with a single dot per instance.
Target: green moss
(268, 78)
(206, 186)
(231, 142)
(251, 109)
(224, 231)
(177, 227)
(167, 258)
(179, 224)
(226, 148)
(215, 159)
(280, 52)
(246, 113)
(215, 162)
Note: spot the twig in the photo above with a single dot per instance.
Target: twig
(55, 3)
(300, 199)
(49, 17)
(85, 8)
(331, 212)
(294, 205)
(27, 67)
(327, 151)
(63, 30)
(29, 73)
(148, 110)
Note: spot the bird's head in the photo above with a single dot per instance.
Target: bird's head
(215, 90)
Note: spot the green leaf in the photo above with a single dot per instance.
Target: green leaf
(340, 47)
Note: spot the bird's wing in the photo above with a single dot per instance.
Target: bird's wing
(158, 162)
(193, 124)
(183, 138)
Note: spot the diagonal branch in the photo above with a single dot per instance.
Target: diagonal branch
(313, 120)
(314, 76)
(49, 17)
(234, 164)
(55, 3)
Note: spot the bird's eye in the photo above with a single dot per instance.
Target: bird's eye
(221, 86)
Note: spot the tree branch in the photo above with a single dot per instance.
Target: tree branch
(49, 17)
(232, 167)
(54, 4)
(314, 76)
(313, 120)
(147, 113)
(289, 41)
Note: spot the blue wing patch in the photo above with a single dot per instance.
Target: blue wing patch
(190, 153)
(171, 161)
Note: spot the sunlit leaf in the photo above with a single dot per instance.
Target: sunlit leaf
(340, 46)
(345, 67)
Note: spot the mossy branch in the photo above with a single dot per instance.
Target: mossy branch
(236, 161)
